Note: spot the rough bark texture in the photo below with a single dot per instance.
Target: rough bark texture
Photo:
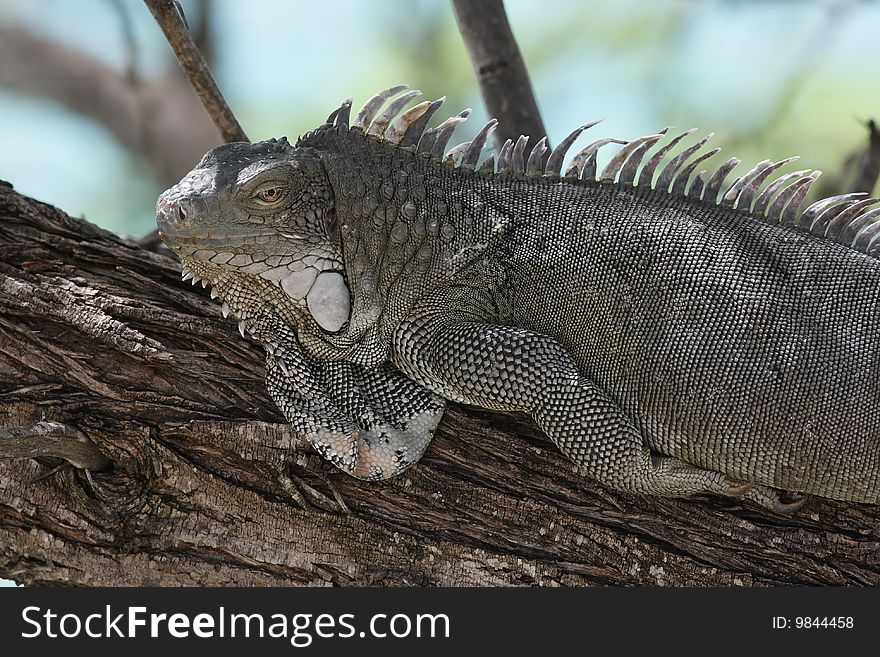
(102, 345)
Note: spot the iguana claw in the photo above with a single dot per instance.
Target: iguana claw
(769, 498)
(736, 490)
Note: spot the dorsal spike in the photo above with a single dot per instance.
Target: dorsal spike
(810, 215)
(851, 219)
(426, 143)
(696, 189)
(841, 227)
(488, 165)
(380, 123)
(646, 175)
(713, 186)
(472, 154)
(753, 180)
(397, 130)
(516, 157)
(415, 126)
(664, 180)
(870, 229)
(580, 161)
(732, 192)
(774, 212)
(857, 222)
(873, 249)
(366, 113)
(344, 119)
(445, 130)
(535, 165)
(790, 214)
(679, 185)
(766, 196)
(554, 162)
(820, 224)
(609, 173)
(504, 156)
(455, 152)
(339, 118)
(631, 166)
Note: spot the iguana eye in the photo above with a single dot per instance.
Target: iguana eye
(271, 195)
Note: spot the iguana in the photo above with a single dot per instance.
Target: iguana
(671, 333)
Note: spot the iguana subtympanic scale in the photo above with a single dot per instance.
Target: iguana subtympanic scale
(671, 333)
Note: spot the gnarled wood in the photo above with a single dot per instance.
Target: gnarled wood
(207, 485)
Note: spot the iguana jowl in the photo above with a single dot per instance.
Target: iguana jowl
(671, 333)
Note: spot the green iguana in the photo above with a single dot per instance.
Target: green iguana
(671, 333)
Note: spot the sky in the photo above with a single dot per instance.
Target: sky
(771, 77)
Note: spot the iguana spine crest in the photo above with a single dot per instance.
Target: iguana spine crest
(849, 219)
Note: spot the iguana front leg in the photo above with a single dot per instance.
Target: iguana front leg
(372, 423)
(509, 368)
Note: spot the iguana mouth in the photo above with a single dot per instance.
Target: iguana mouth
(194, 240)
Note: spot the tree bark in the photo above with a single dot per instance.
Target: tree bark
(109, 362)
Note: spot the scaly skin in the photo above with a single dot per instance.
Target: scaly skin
(667, 345)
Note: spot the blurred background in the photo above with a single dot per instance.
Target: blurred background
(96, 118)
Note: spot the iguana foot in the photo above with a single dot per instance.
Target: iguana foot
(771, 499)
(372, 423)
(676, 478)
(738, 490)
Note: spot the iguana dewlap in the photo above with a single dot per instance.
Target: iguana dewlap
(672, 333)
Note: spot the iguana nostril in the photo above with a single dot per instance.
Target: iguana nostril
(181, 214)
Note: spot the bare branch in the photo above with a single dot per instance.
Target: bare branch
(160, 119)
(868, 167)
(500, 69)
(202, 30)
(192, 62)
(132, 54)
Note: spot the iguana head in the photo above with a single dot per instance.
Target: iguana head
(337, 235)
(257, 222)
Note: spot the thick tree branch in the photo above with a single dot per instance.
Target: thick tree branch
(169, 18)
(208, 485)
(500, 69)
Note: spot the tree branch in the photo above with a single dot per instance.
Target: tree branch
(159, 119)
(169, 17)
(868, 166)
(209, 486)
(500, 69)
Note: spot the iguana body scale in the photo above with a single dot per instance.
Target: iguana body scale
(671, 333)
